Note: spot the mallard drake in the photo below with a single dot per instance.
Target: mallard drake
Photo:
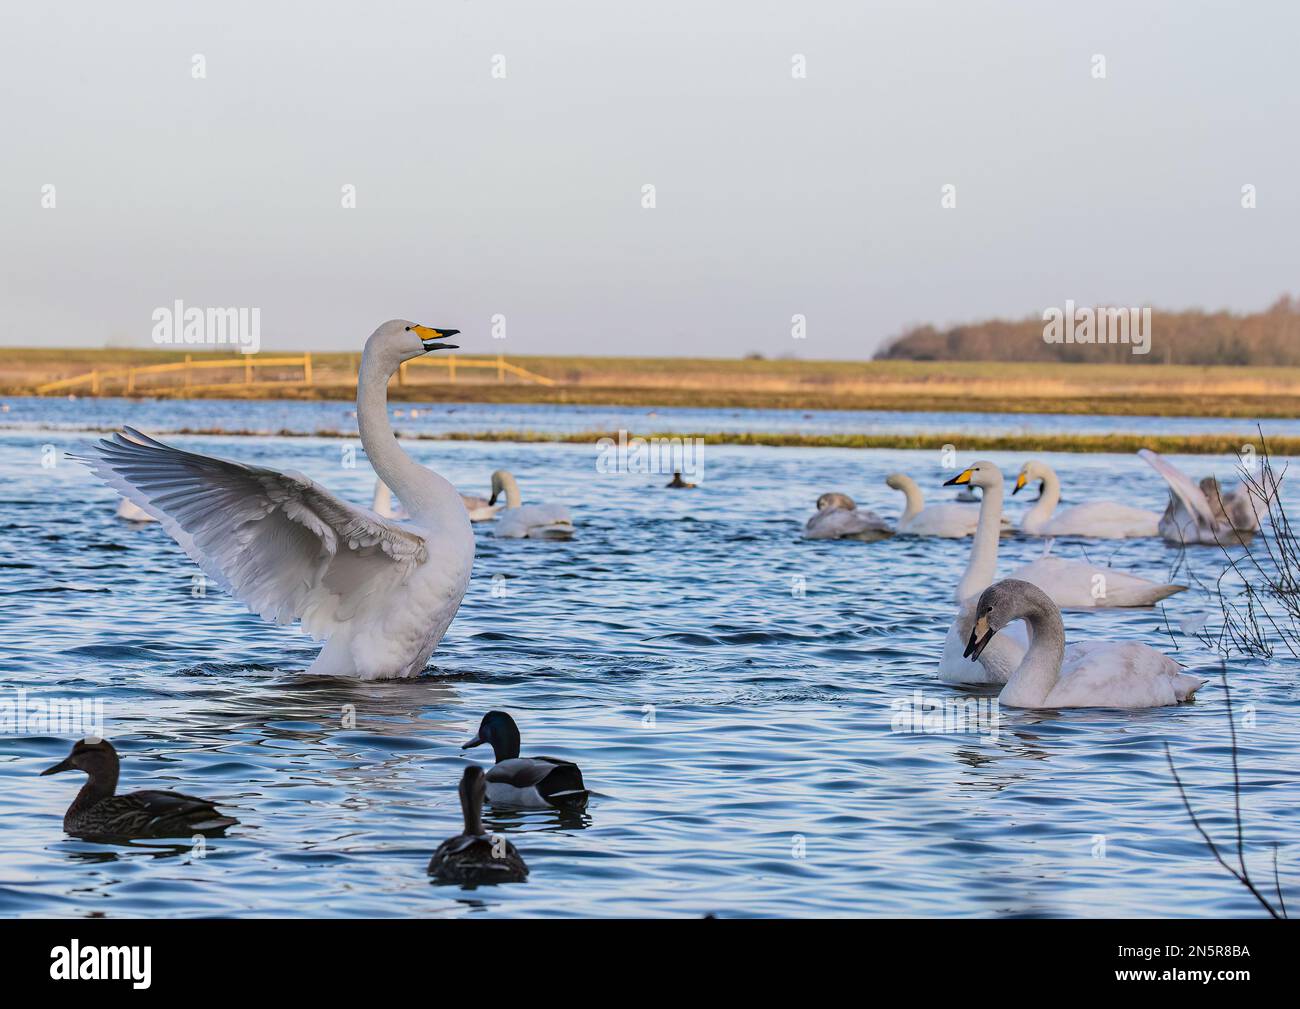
(534, 782)
(474, 856)
(98, 812)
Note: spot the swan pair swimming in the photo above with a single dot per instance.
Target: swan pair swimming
(1070, 584)
(839, 517)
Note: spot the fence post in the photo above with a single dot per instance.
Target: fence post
(130, 381)
(306, 369)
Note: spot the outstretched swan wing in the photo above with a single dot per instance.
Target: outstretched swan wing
(1181, 487)
(281, 543)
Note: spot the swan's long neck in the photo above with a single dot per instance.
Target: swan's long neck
(983, 563)
(1040, 669)
(427, 497)
(1046, 504)
(513, 498)
(913, 496)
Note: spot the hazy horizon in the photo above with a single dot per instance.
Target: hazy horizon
(479, 196)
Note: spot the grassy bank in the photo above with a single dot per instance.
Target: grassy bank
(1196, 444)
(980, 386)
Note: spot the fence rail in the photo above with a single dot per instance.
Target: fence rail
(129, 378)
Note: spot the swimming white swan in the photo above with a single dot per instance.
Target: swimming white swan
(477, 507)
(839, 518)
(1106, 520)
(132, 512)
(381, 594)
(948, 520)
(519, 521)
(1094, 674)
(1071, 584)
(1204, 515)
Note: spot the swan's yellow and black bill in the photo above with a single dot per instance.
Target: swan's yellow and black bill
(980, 635)
(962, 477)
(1021, 480)
(429, 337)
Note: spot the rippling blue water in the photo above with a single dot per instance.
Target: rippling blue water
(274, 417)
(737, 734)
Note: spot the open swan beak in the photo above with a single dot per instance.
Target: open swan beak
(428, 336)
(962, 477)
(980, 636)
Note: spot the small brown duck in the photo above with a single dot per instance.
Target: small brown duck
(475, 856)
(677, 483)
(97, 812)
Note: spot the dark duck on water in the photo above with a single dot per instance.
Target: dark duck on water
(534, 782)
(97, 812)
(474, 856)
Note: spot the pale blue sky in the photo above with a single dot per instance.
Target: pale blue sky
(522, 196)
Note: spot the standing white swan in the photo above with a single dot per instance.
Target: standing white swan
(1095, 674)
(1106, 520)
(839, 518)
(948, 520)
(381, 594)
(1204, 515)
(520, 521)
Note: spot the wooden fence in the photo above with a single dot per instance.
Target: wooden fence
(128, 379)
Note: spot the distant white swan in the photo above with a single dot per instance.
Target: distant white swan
(381, 594)
(477, 507)
(839, 518)
(1093, 674)
(1204, 515)
(383, 503)
(1106, 520)
(132, 512)
(519, 521)
(948, 520)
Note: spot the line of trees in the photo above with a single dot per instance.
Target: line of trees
(1270, 337)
